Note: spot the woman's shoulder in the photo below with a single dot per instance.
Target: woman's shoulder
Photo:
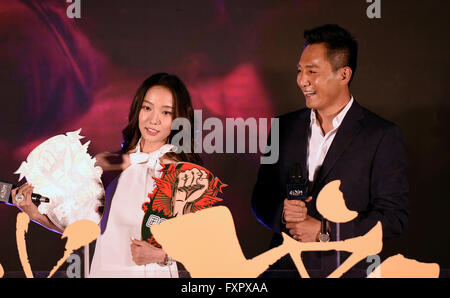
(132, 150)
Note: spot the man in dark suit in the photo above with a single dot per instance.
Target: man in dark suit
(334, 138)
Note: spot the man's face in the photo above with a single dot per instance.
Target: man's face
(316, 78)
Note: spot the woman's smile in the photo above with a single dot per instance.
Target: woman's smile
(151, 131)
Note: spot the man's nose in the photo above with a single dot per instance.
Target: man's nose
(302, 80)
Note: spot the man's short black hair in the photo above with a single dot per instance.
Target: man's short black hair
(341, 45)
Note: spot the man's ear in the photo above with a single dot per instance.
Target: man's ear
(345, 74)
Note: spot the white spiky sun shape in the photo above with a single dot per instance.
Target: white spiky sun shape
(61, 169)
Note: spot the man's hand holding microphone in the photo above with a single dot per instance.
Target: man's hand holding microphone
(301, 226)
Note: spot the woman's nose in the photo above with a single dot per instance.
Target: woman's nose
(154, 118)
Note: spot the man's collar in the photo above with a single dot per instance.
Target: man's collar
(339, 117)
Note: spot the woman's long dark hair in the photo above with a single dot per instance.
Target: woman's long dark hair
(182, 108)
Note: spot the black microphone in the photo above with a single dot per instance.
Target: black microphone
(5, 195)
(297, 186)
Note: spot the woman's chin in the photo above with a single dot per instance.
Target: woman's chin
(152, 143)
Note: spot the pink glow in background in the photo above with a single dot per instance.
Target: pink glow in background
(57, 80)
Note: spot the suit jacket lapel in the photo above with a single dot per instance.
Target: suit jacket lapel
(348, 130)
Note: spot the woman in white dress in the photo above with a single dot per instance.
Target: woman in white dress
(119, 252)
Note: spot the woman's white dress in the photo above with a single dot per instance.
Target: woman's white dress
(112, 256)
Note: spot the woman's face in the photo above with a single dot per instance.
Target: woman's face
(155, 118)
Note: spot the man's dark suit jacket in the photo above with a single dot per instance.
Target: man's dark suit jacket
(366, 154)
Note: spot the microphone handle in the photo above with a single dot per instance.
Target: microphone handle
(38, 198)
(323, 226)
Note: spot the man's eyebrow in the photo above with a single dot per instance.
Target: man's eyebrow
(308, 66)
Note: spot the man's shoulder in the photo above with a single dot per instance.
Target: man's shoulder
(375, 121)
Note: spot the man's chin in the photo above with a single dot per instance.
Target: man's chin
(311, 103)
